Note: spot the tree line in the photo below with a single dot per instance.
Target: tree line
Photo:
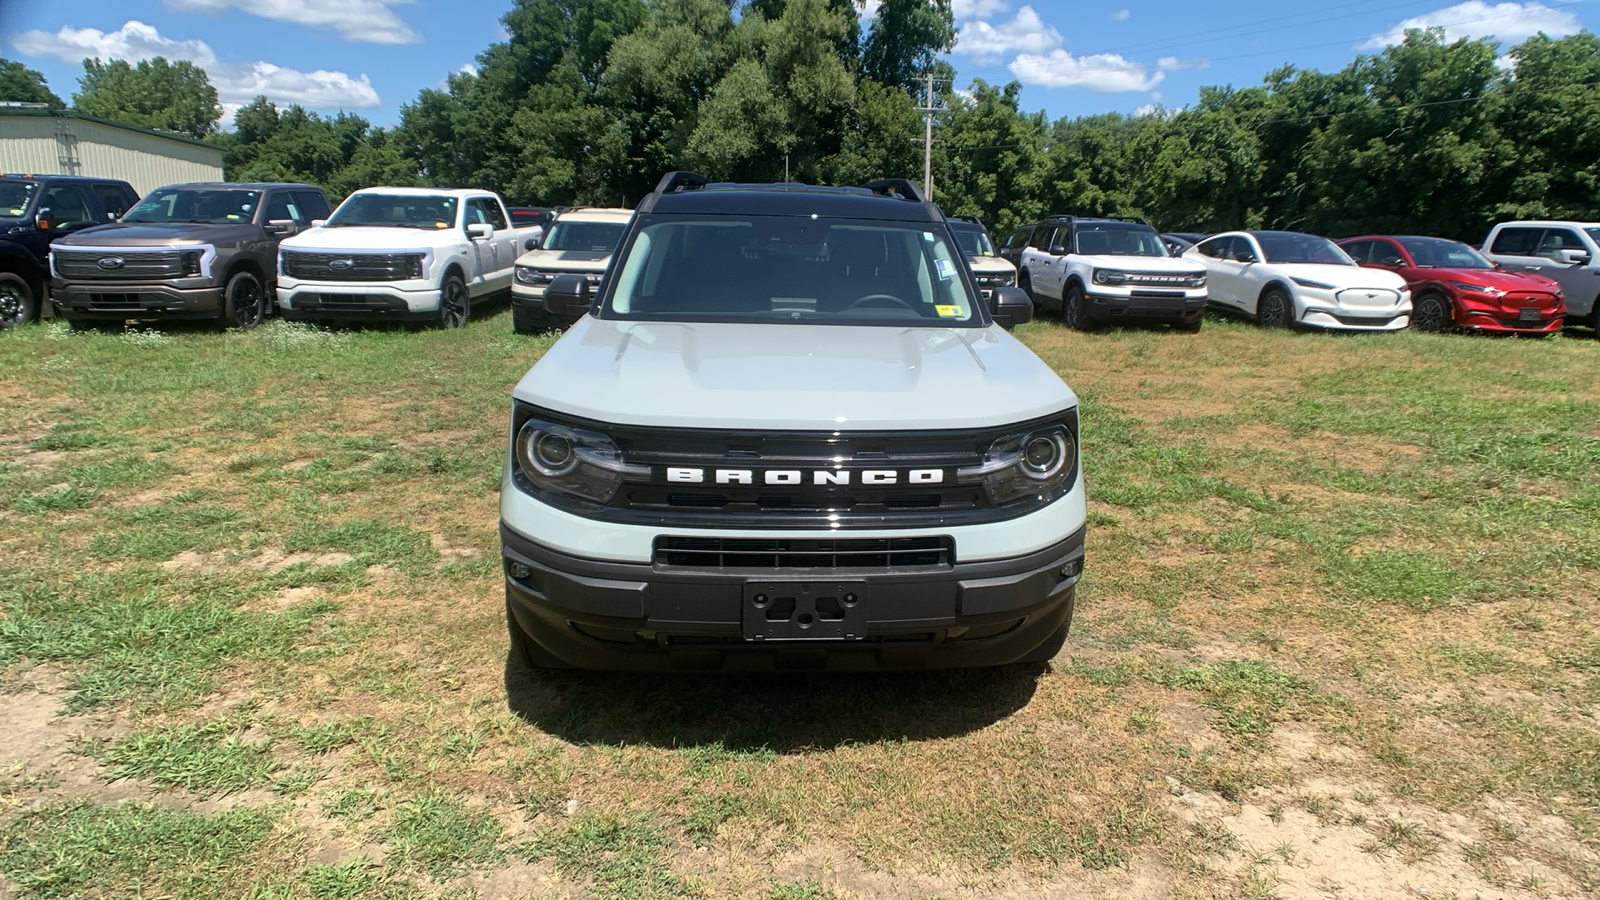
(589, 101)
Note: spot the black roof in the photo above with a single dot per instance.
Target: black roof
(44, 176)
(965, 224)
(243, 185)
(1107, 220)
(889, 199)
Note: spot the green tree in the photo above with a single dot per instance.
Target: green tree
(991, 158)
(339, 154)
(20, 84)
(1551, 110)
(905, 41)
(154, 94)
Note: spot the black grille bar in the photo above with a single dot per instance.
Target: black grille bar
(875, 554)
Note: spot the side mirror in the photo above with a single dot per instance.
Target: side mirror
(1395, 262)
(318, 223)
(1244, 256)
(281, 226)
(1009, 306)
(1574, 257)
(41, 220)
(1058, 250)
(567, 296)
(532, 243)
(480, 231)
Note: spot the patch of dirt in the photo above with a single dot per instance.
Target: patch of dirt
(38, 760)
(446, 551)
(268, 560)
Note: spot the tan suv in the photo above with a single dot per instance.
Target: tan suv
(579, 242)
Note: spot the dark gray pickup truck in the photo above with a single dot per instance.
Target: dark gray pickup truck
(186, 251)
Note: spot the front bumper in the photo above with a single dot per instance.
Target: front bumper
(1506, 316)
(299, 300)
(653, 617)
(1180, 305)
(135, 300)
(1319, 308)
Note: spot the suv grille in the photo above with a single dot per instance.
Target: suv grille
(351, 266)
(796, 553)
(113, 265)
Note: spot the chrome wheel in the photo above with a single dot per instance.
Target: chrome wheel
(16, 301)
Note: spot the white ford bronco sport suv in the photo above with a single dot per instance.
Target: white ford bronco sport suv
(1097, 270)
(410, 254)
(578, 243)
(786, 433)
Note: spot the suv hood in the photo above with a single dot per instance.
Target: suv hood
(566, 260)
(153, 234)
(1341, 277)
(1499, 279)
(793, 377)
(366, 237)
(991, 265)
(1175, 265)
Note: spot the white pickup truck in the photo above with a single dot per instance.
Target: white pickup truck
(413, 254)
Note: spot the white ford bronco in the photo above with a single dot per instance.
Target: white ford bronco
(787, 433)
(1100, 270)
(412, 254)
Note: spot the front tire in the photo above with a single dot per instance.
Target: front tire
(1430, 313)
(18, 305)
(1274, 309)
(244, 301)
(454, 304)
(527, 320)
(1074, 309)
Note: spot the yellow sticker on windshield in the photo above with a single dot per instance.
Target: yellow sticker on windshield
(440, 225)
(947, 311)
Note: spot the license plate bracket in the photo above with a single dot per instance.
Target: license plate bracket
(804, 610)
(1528, 314)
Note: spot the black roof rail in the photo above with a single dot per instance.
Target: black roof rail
(681, 181)
(973, 219)
(889, 187)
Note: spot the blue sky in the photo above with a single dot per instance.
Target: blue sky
(1073, 58)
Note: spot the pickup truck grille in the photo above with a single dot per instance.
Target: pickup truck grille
(110, 265)
(351, 266)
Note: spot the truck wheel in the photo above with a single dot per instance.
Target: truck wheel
(244, 303)
(1074, 311)
(526, 650)
(1430, 313)
(17, 303)
(1274, 309)
(454, 304)
(1190, 327)
(1025, 283)
(526, 320)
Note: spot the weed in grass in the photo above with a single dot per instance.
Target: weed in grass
(297, 781)
(352, 803)
(1251, 695)
(122, 472)
(326, 736)
(623, 858)
(209, 759)
(805, 890)
(1420, 581)
(56, 499)
(64, 436)
(81, 849)
(440, 836)
(354, 880)
(370, 540)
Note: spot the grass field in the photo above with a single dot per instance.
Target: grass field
(1336, 638)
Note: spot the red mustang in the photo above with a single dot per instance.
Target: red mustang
(1452, 285)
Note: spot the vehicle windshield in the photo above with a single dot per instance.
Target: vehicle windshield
(210, 206)
(427, 211)
(1438, 253)
(1301, 248)
(1594, 234)
(600, 237)
(1116, 239)
(793, 269)
(15, 196)
(974, 241)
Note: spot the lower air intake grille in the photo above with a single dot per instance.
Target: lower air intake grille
(805, 553)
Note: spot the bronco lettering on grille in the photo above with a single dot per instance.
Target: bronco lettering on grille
(825, 477)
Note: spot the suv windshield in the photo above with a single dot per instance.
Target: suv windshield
(973, 241)
(766, 268)
(600, 237)
(212, 206)
(1438, 253)
(1117, 239)
(1284, 247)
(395, 211)
(14, 197)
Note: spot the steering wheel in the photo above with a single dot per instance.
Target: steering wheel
(871, 300)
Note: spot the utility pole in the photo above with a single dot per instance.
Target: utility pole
(928, 110)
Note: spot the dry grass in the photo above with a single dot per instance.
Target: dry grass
(1337, 638)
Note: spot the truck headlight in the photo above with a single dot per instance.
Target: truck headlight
(1109, 276)
(191, 262)
(526, 275)
(575, 461)
(1037, 462)
(414, 266)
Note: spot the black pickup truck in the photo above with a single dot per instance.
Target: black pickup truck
(38, 209)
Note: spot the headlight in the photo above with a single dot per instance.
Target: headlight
(1021, 465)
(593, 280)
(568, 460)
(191, 262)
(526, 275)
(1308, 283)
(1198, 281)
(1109, 276)
(414, 265)
(1475, 288)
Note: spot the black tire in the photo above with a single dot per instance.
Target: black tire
(18, 305)
(1430, 312)
(1025, 284)
(1074, 312)
(101, 325)
(1189, 327)
(455, 306)
(1047, 650)
(1275, 309)
(527, 320)
(526, 650)
(1594, 317)
(244, 301)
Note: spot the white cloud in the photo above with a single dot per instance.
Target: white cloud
(1102, 73)
(1025, 33)
(967, 10)
(468, 69)
(236, 83)
(365, 21)
(1509, 22)
(1121, 15)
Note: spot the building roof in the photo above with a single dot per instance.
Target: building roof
(42, 111)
